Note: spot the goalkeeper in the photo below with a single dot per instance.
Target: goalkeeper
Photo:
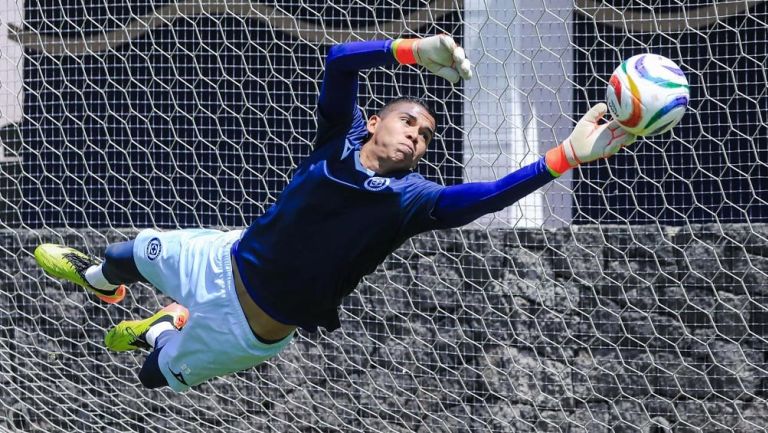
(354, 200)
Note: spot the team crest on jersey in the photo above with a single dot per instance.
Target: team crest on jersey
(154, 248)
(376, 183)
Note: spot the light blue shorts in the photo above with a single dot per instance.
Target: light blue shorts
(194, 267)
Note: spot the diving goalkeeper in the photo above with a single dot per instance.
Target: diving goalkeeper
(242, 294)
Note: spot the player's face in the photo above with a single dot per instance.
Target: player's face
(401, 136)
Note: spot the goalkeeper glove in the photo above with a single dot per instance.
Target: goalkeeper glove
(588, 142)
(439, 54)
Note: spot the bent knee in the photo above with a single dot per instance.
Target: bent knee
(119, 264)
(150, 375)
(119, 252)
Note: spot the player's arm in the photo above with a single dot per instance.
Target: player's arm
(589, 141)
(338, 93)
(337, 103)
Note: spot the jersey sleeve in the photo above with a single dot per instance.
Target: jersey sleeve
(326, 130)
(461, 204)
(418, 200)
(337, 108)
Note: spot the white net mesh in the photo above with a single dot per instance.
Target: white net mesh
(630, 297)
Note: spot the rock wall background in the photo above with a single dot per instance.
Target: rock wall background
(584, 329)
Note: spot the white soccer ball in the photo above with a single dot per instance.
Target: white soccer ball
(648, 94)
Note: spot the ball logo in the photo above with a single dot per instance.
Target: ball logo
(376, 183)
(154, 248)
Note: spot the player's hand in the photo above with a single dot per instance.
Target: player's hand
(443, 57)
(439, 54)
(589, 141)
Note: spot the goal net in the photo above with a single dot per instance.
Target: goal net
(630, 295)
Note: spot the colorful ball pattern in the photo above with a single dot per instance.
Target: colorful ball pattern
(648, 94)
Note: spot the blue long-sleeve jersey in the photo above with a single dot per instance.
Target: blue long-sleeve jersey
(336, 221)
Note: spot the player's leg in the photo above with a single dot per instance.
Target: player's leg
(168, 260)
(151, 333)
(150, 375)
(86, 271)
(119, 266)
(217, 340)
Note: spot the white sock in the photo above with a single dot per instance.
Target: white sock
(95, 277)
(155, 331)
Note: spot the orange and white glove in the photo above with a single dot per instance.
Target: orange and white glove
(588, 142)
(439, 54)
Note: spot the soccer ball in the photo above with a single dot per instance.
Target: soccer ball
(648, 94)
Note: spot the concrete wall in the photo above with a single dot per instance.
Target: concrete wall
(581, 329)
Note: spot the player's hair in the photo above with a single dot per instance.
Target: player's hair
(408, 99)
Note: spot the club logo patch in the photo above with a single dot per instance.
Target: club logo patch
(154, 248)
(376, 183)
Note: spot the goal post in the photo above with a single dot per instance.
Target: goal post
(630, 296)
(520, 104)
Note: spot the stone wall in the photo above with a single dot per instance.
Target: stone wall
(584, 329)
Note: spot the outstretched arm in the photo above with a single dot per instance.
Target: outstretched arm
(461, 204)
(338, 94)
(589, 141)
(337, 103)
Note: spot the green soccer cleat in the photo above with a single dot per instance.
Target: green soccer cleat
(132, 334)
(70, 264)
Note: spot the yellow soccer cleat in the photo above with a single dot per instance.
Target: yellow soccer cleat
(132, 334)
(70, 264)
